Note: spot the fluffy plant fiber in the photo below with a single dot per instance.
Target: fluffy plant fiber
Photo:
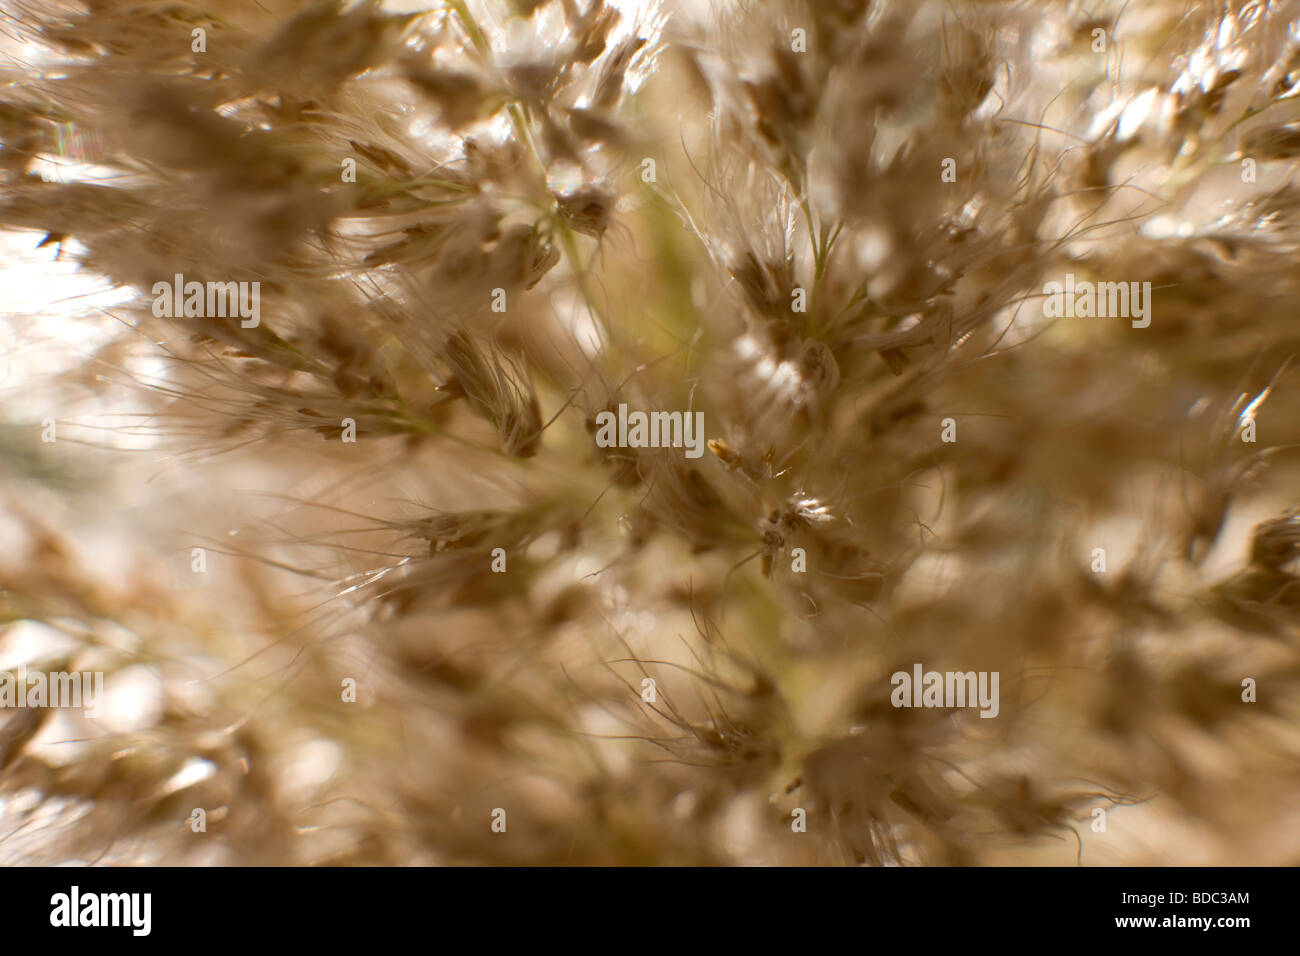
(651, 189)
